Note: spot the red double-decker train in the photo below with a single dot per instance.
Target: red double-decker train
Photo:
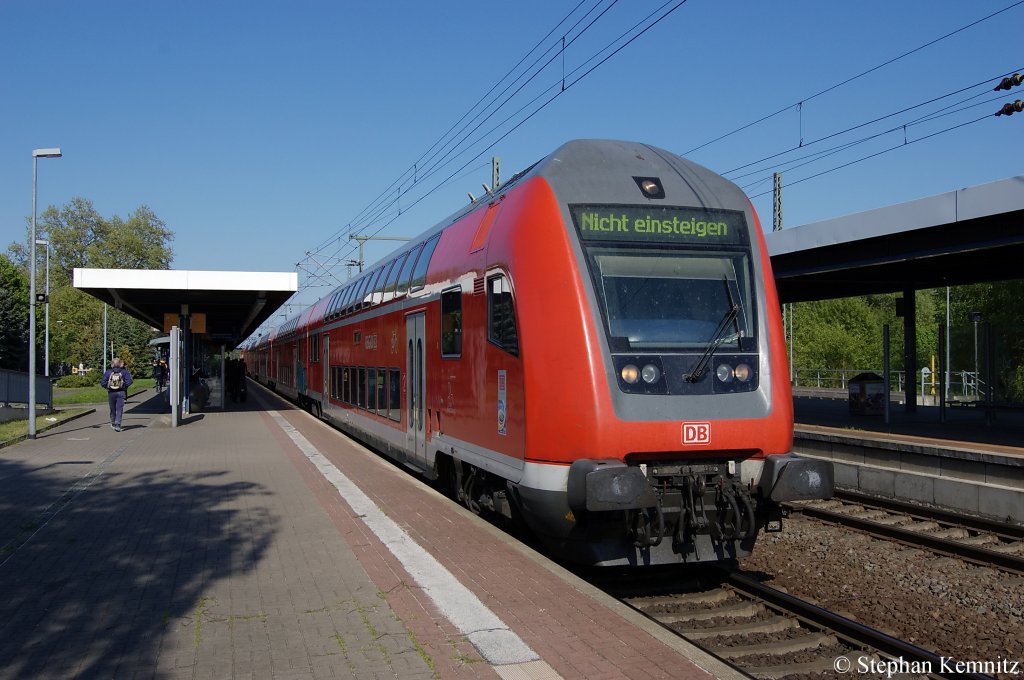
(595, 347)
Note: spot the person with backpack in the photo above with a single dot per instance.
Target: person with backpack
(116, 381)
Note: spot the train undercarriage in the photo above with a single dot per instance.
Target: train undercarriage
(614, 514)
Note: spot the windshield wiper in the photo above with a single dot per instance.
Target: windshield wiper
(717, 337)
(716, 340)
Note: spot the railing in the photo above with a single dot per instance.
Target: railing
(839, 378)
(14, 388)
(966, 385)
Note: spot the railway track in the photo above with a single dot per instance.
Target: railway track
(976, 540)
(769, 634)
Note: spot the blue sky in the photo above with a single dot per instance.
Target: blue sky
(259, 130)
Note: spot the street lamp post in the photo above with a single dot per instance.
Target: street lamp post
(36, 154)
(46, 324)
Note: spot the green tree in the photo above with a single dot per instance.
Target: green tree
(13, 316)
(80, 237)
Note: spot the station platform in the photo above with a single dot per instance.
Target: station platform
(257, 542)
(965, 427)
(964, 464)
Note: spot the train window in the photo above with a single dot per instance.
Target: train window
(371, 389)
(402, 287)
(395, 394)
(357, 298)
(382, 280)
(501, 316)
(451, 323)
(343, 300)
(314, 349)
(673, 299)
(349, 295)
(346, 385)
(389, 290)
(336, 382)
(419, 275)
(382, 392)
(361, 387)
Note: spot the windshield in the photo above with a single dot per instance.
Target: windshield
(673, 299)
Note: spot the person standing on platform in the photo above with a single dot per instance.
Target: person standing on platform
(116, 381)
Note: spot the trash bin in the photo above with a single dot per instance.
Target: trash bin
(867, 395)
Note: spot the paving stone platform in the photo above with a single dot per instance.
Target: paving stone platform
(257, 542)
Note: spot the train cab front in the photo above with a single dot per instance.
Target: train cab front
(692, 457)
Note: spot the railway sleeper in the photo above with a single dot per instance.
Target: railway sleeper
(789, 669)
(831, 504)
(776, 624)
(870, 514)
(1009, 548)
(800, 644)
(922, 527)
(715, 596)
(740, 609)
(894, 520)
(953, 533)
(982, 540)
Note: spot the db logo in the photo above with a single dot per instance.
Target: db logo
(696, 433)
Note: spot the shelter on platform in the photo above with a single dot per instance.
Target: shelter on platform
(206, 313)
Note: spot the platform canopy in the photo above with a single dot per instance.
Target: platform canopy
(967, 236)
(234, 303)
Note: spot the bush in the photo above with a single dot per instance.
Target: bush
(81, 380)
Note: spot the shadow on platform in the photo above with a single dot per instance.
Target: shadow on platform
(93, 593)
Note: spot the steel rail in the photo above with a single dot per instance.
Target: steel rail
(994, 526)
(971, 553)
(851, 631)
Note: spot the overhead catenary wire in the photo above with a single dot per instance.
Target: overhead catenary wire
(879, 153)
(853, 78)
(832, 135)
(817, 155)
(679, 3)
(429, 154)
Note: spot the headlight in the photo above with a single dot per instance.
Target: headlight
(742, 373)
(651, 374)
(724, 372)
(630, 374)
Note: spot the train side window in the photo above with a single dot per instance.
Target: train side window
(314, 349)
(382, 392)
(395, 394)
(361, 387)
(346, 295)
(371, 389)
(501, 316)
(377, 296)
(389, 289)
(403, 278)
(451, 323)
(419, 275)
(364, 292)
(353, 289)
(346, 385)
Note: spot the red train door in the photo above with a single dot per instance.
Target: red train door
(325, 396)
(416, 382)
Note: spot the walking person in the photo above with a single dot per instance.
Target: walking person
(116, 381)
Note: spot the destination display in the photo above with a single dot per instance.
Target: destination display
(669, 224)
